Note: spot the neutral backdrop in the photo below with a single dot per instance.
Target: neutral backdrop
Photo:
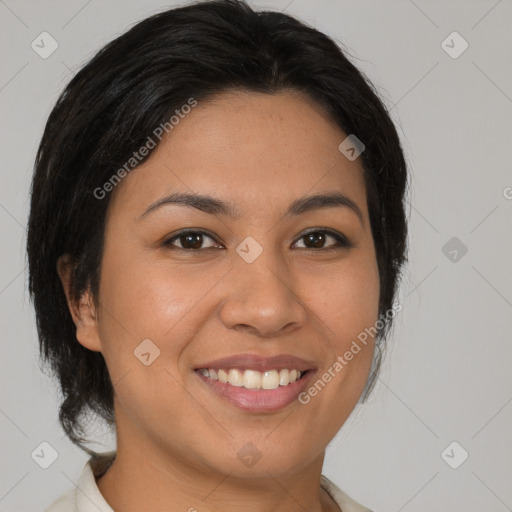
(447, 375)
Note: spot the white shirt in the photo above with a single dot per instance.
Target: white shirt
(86, 497)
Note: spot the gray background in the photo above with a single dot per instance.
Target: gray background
(447, 376)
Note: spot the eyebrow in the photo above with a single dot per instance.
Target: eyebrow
(215, 206)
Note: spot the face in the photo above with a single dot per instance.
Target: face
(253, 292)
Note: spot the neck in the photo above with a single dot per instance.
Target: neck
(141, 478)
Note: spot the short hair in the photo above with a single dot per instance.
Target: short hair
(134, 84)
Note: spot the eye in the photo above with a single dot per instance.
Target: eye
(316, 238)
(190, 240)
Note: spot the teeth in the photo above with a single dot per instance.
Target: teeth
(270, 380)
(235, 378)
(253, 379)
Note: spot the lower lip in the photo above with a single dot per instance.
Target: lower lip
(262, 400)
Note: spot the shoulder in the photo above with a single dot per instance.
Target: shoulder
(345, 502)
(66, 503)
(85, 496)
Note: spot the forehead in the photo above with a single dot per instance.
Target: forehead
(256, 150)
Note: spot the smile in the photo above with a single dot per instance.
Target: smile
(256, 391)
(253, 379)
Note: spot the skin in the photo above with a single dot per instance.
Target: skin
(177, 441)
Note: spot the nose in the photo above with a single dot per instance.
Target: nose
(260, 300)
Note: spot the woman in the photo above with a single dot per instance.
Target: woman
(216, 234)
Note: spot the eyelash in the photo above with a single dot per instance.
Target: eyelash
(342, 242)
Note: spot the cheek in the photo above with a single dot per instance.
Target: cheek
(146, 300)
(150, 299)
(345, 303)
(346, 299)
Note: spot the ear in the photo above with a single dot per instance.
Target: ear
(83, 312)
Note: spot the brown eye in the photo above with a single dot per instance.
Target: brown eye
(190, 240)
(317, 239)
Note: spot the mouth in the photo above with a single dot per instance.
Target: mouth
(255, 383)
(253, 379)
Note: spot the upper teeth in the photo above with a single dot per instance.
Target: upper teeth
(253, 379)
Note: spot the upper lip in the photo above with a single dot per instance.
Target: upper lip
(260, 363)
